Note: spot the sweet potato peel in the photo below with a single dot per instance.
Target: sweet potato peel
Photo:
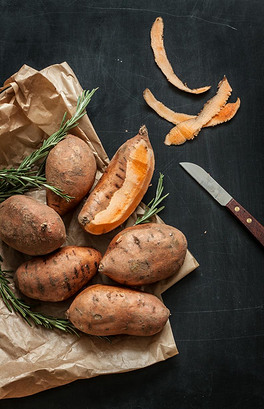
(226, 113)
(162, 61)
(187, 130)
(163, 111)
(214, 112)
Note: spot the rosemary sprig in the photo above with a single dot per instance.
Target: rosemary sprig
(152, 208)
(19, 182)
(26, 176)
(16, 305)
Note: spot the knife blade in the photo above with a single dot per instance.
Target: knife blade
(225, 199)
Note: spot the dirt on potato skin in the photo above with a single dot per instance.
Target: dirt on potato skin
(144, 254)
(109, 310)
(71, 167)
(59, 275)
(29, 226)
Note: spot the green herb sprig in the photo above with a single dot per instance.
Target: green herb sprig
(31, 171)
(14, 182)
(16, 305)
(152, 208)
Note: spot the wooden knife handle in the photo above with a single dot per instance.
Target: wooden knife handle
(248, 221)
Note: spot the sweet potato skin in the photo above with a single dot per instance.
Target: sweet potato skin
(144, 254)
(59, 275)
(30, 226)
(71, 167)
(162, 61)
(121, 188)
(108, 310)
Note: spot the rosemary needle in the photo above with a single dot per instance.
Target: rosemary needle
(152, 208)
(20, 307)
(31, 171)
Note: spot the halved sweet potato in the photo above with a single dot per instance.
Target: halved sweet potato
(162, 61)
(189, 129)
(226, 113)
(122, 186)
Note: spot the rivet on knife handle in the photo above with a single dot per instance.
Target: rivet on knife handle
(247, 219)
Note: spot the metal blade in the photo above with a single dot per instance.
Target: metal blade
(207, 182)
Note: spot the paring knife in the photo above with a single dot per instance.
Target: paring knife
(225, 199)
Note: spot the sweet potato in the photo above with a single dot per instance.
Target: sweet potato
(144, 254)
(71, 167)
(107, 310)
(122, 186)
(30, 226)
(59, 275)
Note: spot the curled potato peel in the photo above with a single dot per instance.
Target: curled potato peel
(162, 61)
(226, 113)
(187, 130)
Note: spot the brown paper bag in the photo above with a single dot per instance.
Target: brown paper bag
(33, 359)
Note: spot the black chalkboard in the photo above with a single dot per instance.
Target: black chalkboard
(217, 311)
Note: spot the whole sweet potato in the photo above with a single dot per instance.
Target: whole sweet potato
(122, 186)
(71, 167)
(30, 226)
(59, 275)
(106, 310)
(144, 254)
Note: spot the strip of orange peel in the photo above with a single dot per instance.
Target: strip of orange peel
(226, 113)
(187, 130)
(162, 61)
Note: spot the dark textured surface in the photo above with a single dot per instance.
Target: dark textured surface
(217, 311)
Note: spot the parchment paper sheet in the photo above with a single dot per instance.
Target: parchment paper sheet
(33, 359)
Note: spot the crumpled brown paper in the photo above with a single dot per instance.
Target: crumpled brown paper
(33, 359)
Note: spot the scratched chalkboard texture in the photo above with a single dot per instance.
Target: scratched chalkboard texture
(216, 312)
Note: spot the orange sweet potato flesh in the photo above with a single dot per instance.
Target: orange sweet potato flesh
(121, 188)
(162, 61)
(71, 167)
(226, 113)
(30, 226)
(59, 275)
(104, 310)
(187, 130)
(162, 110)
(144, 254)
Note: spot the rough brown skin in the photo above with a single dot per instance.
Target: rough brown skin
(30, 226)
(122, 186)
(107, 310)
(71, 167)
(59, 275)
(144, 254)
